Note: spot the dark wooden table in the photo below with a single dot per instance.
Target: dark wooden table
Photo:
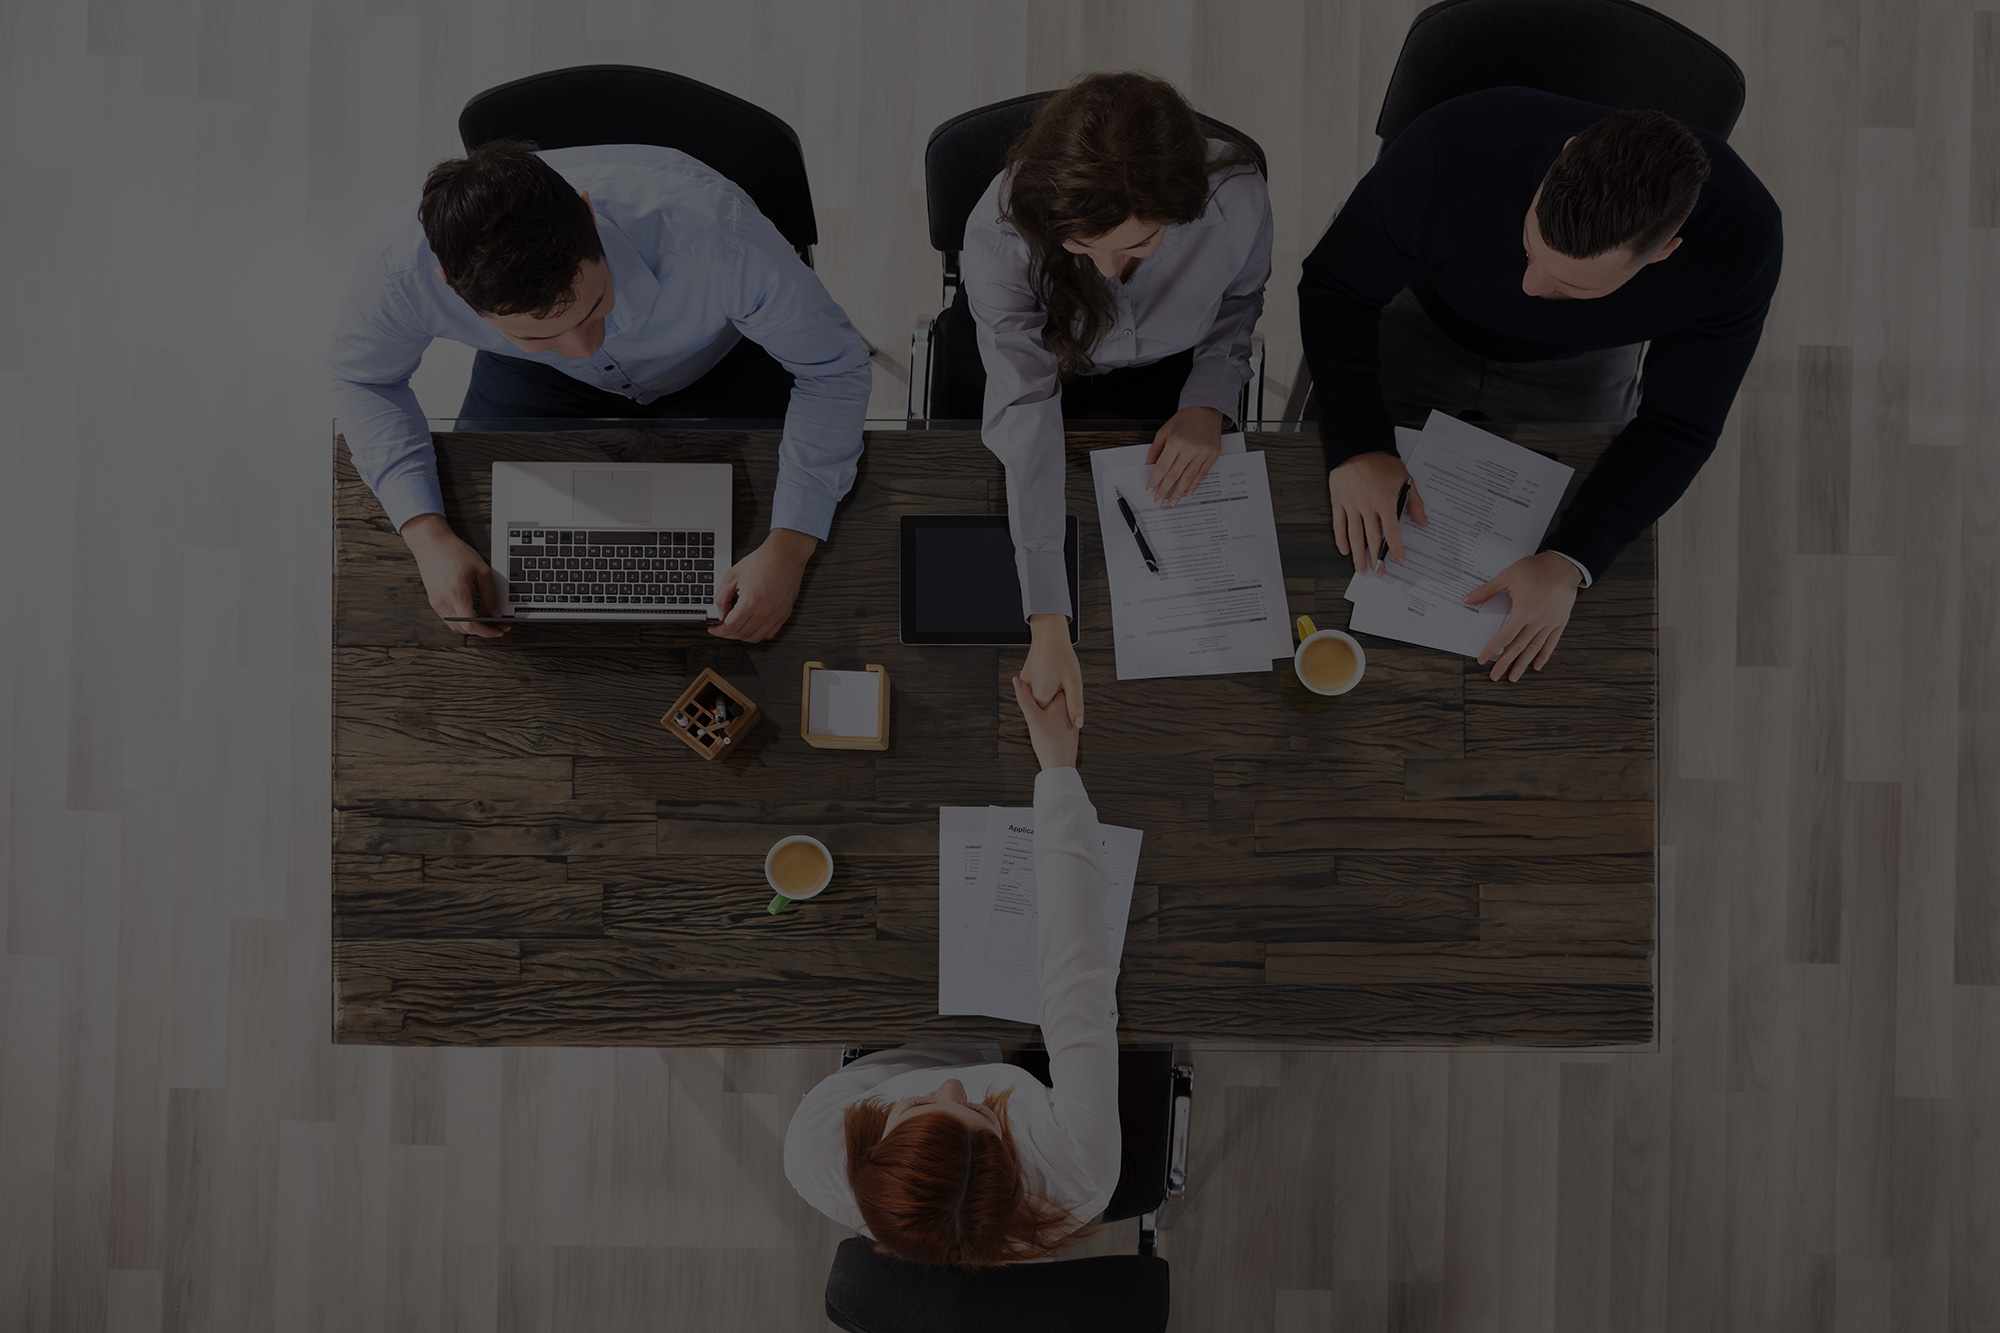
(521, 853)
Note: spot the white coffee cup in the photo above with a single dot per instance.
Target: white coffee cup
(1310, 634)
(786, 897)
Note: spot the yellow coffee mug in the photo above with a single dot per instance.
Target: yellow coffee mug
(1310, 634)
(789, 893)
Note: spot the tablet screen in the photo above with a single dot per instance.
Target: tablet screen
(959, 581)
(966, 581)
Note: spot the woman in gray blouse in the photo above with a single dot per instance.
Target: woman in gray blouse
(1115, 268)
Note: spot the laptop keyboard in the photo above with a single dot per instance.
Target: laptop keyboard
(620, 569)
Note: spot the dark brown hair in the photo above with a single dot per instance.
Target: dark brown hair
(1107, 148)
(1628, 181)
(936, 1190)
(507, 229)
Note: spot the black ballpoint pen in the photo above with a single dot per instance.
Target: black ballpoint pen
(1402, 498)
(1132, 522)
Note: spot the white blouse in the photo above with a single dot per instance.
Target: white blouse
(1203, 288)
(1067, 1134)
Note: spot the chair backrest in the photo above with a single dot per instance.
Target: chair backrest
(1108, 1293)
(602, 104)
(1612, 52)
(966, 152)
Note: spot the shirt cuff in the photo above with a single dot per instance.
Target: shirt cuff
(1044, 584)
(1055, 784)
(1579, 569)
(801, 509)
(410, 497)
(1213, 383)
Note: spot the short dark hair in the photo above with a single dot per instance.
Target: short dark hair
(1628, 181)
(508, 231)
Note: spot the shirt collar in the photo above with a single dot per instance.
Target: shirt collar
(1178, 232)
(1170, 245)
(634, 286)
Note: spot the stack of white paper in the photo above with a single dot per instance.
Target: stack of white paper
(1217, 602)
(988, 946)
(1488, 502)
(844, 703)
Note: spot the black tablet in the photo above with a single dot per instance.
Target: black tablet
(959, 584)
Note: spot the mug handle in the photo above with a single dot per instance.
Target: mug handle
(779, 904)
(1306, 628)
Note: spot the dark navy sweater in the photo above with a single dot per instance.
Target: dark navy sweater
(1441, 213)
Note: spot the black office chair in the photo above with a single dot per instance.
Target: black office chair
(868, 1292)
(606, 104)
(947, 379)
(1616, 53)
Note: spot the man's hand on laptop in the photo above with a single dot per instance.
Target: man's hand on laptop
(456, 580)
(756, 593)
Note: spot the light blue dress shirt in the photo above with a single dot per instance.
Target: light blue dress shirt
(694, 266)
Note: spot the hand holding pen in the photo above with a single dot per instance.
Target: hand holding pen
(1367, 495)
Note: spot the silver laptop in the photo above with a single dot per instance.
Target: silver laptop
(640, 542)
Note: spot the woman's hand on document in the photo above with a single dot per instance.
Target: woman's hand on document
(1051, 670)
(1049, 728)
(1362, 493)
(1183, 451)
(456, 580)
(1542, 589)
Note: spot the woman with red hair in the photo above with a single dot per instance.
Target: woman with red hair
(944, 1155)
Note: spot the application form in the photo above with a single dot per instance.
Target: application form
(1392, 609)
(1216, 602)
(995, 970)
(961, 844)
(1488, 502)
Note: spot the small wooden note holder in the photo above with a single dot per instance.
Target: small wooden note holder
(829, 741)
(693, 717)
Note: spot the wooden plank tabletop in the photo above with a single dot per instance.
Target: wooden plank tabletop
(521, 854)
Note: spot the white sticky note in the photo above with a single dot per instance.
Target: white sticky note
(844, 703)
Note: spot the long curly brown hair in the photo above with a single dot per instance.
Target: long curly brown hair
(1107, 148)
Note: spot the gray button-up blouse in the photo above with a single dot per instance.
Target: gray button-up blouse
(1203, 288)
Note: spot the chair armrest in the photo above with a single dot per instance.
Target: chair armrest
(920, 372)
(1251, 416)
(1300, 396)
(1177, 1146)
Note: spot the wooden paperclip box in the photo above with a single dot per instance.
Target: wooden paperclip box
(694, 716)
(847, 717)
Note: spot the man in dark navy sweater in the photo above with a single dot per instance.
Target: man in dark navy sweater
(1541, 241)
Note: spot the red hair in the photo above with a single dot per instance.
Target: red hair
(936, 1190)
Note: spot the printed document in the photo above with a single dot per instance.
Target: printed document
(1488, 502)
(961, 844)
(1395, 610)
(988, 940)
(1216, 602)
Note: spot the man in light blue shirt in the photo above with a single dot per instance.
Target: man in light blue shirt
(619, 280)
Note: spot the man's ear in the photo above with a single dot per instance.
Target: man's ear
(586, 199)
(1666, 250)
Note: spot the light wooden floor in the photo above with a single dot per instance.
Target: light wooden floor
(183, 184)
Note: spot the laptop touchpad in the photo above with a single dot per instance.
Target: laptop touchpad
(624, 498)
